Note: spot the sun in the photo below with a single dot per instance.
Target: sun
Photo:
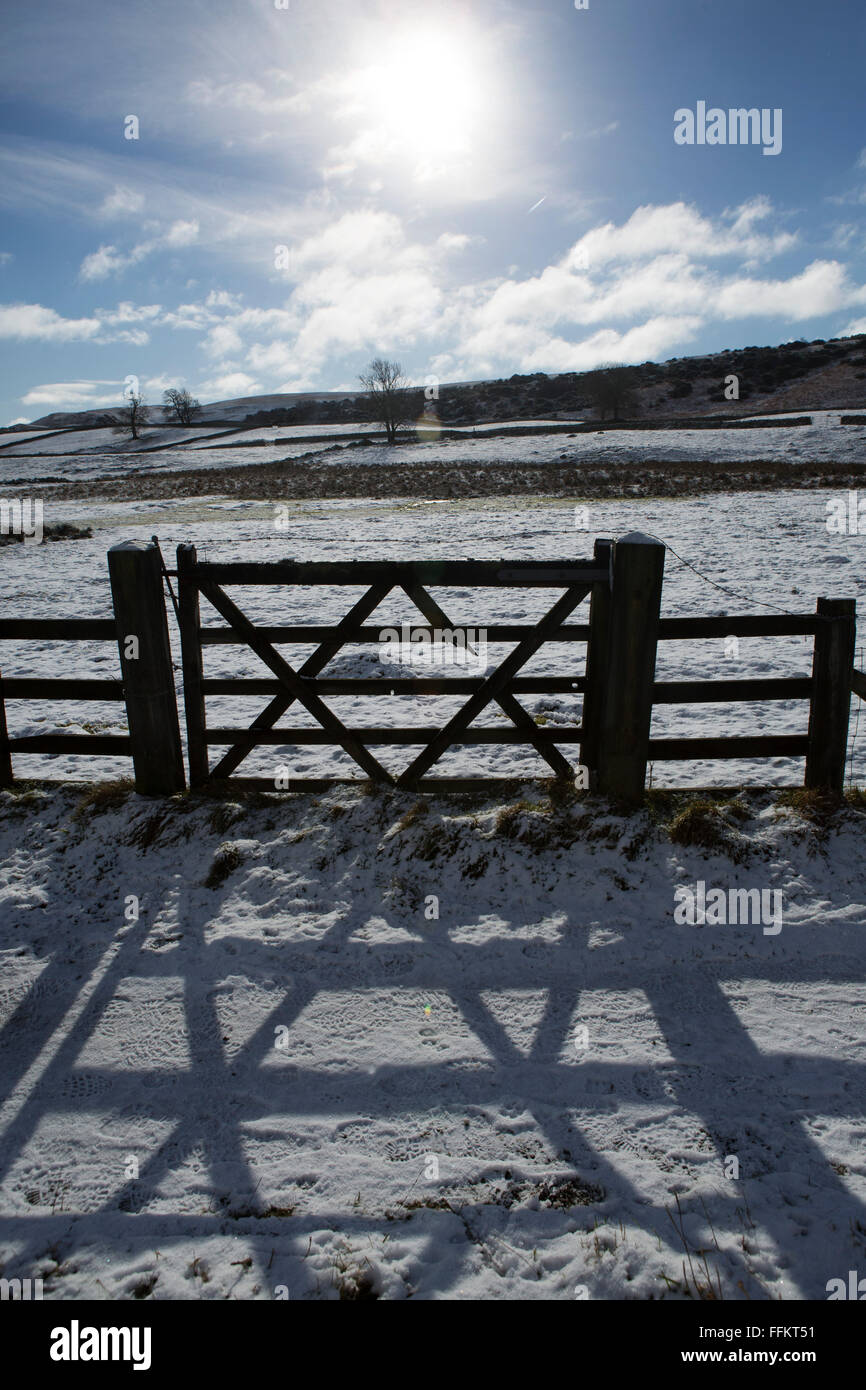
(423, 95)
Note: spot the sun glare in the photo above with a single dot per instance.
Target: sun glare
(423, 94)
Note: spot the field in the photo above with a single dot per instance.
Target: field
(370, 1046)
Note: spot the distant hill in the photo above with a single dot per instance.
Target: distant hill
(797, 377)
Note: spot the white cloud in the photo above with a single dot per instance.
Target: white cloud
(121, 202)
(35, 321)
(223, 340)
(641, 289)
(180, 233)
(154, 386)
(223, 299)
(108, 260)
(246, 97)
(229, 385)
(651, 231)
(75, 394)
(821, 288)
(127, 312)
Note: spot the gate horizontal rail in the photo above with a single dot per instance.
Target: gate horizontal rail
(55, 691)
(307, 685)
(495, 632)
(618, 687)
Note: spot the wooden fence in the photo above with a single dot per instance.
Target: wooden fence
(146, 683)
(623, 582)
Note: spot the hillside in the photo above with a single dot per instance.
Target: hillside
(795, 376)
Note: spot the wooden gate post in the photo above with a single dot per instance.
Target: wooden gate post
(627, 696)
(596, 665)
(190, 645)
(831, 695)
(6, 776)
(145, 663)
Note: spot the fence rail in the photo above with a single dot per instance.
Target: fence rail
(31, 688)
(305, 687)
(623, 582)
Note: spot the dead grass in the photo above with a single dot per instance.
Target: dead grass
(227, 858)
(819, 807)
(102, 797)
(412, 815)
(700, 824)
(21, 798)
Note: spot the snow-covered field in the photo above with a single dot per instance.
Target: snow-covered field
(292, 433)
(20, 468)
(770, 549)
(14, 440)
(349, 1049)
(823, 441)
(360, 1046)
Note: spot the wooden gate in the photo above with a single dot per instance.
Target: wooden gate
(307, 685)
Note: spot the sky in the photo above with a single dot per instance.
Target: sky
(259, 197)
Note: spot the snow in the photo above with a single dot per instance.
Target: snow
(23, 436)
(295, 433)
(824, 441)
(773, 549)
(300, 1080)
(105, 441)
(509, 1101)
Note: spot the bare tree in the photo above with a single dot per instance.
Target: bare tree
(388, 392)
(133, 417)
(181, 404)
(612, 390)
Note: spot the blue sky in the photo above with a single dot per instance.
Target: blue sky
(474, 188)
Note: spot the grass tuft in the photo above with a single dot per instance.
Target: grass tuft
(102, 797)
(700, 824)
(227, 858)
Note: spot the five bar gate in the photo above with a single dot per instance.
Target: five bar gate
(623, 582)
(307, 685)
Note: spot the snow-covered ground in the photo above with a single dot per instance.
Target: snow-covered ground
(104, 441)
(357, 1045)
(772, 550)
(292, 433)
(12, 441)
(19, 468)
(342, 1047)
(823, 441)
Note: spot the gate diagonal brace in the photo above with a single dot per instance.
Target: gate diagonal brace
(292, 683)
(313, 666)
(494, 685)
(508, 703)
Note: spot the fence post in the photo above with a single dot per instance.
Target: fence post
(632, 633)
(832, 663)
(596, 665)
(190, 646)
(145, 663)
(6, 777)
